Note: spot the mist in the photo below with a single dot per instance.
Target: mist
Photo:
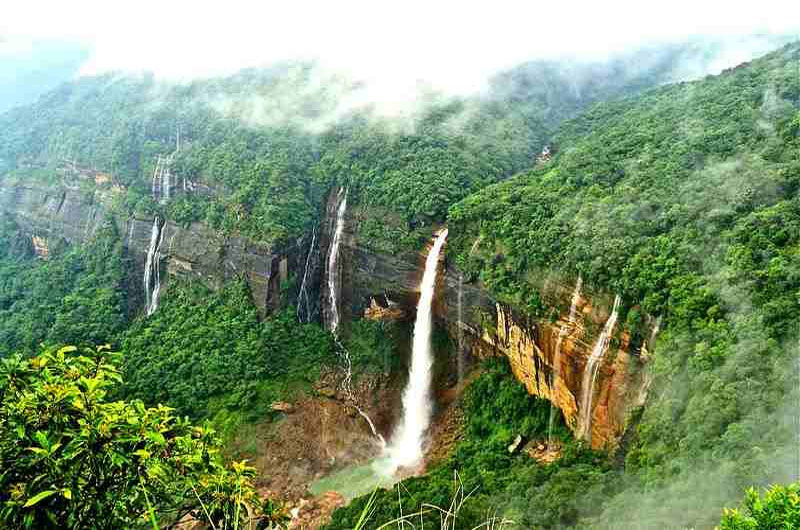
(395, 55)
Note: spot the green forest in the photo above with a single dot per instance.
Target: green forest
(682, 198)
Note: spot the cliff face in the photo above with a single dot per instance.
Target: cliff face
(384, 287)
(373, 285)
(554, 369)
(47, 215)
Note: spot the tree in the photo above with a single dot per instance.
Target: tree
(72, 458)
(779, 508)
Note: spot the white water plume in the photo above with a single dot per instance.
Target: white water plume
(563, 332)
(302, 295)
(152, 269)
(590, 373)
(333, 262)
(406, 449)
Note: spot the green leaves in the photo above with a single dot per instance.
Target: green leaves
(64, 465)
(207, 353)
(39, 497)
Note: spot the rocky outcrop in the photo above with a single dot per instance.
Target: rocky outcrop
(530, 347)
(201, 253)
(373, 285)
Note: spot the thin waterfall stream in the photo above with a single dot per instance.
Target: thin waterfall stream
(333, 299)
(152, 267)
(592, 368)
(302, 295)
(407, 445)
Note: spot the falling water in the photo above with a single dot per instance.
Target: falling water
(148, 266)
(333, 269)
(590, 373)
(576, 295)
(302, 295)
(157, 271)
(155, 188)
(165, 185)
(132, 222)
(407, 443)
(152, 269)
(333, 256)
(654, 333)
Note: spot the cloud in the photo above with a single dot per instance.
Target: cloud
(397, 50)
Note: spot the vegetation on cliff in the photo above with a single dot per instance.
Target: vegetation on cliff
(685, 202)
(209, 355)
(77, 297)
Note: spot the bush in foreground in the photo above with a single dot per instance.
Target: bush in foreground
(70, 458)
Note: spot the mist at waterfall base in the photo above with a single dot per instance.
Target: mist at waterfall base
(406, 448)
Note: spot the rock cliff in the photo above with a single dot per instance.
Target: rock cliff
(46, 215)
(384, 287)
(374, 285)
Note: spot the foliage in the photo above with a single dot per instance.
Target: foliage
(74, 296)
(778, 508)
(497, 409)
(73, 459)
(372, 345)
(205, 353)
(684, 201)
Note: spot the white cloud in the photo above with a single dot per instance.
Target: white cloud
(449, 45)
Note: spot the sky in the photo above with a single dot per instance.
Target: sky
(453, 46)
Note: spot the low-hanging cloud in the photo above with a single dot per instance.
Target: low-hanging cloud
(396, 50)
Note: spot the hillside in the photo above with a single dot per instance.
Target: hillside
(614, 318)
(685, 202)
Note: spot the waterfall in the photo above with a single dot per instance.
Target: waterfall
(590, 372)
(302, 295)
(165, 186)
(654, 333)
(333, 258)
(563, 332)
(407, 444)
(155, 188)
(132, 222)
(152, 269)
(333, 324)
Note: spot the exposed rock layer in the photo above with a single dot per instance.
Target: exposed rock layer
(374, 285)
(46, 214)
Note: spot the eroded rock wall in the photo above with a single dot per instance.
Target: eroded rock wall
(49, 214)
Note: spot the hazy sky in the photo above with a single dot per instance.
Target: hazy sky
(453, 45)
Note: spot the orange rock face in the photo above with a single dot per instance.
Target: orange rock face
(553, 369)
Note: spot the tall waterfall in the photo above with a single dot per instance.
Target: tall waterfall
(302, 295)
(563, 332)
(590, 373)
(333, 299)
(333, 262)
(406, 448)
(152, 269)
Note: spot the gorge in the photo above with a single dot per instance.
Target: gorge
(580, 312)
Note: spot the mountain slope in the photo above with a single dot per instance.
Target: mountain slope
(685, 202)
